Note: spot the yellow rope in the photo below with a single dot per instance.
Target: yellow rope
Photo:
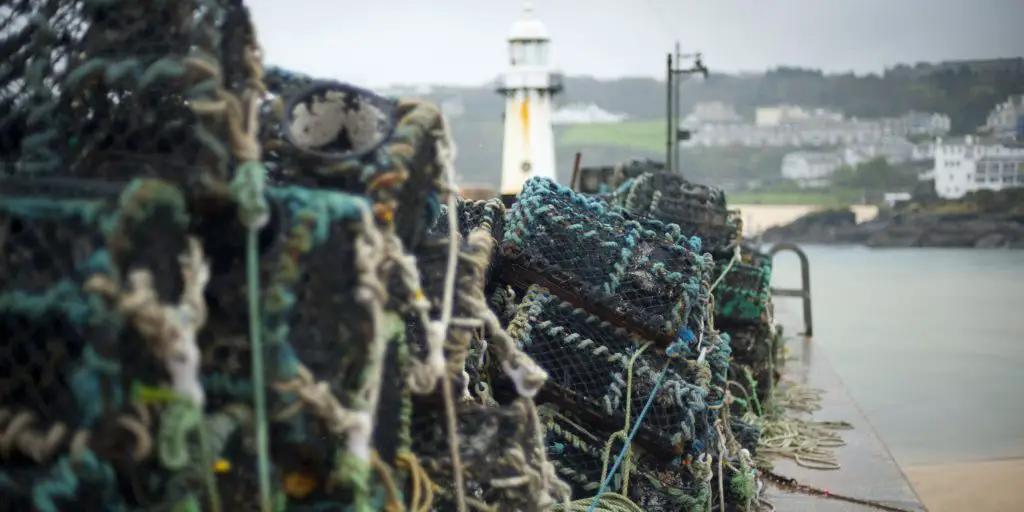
(394, 502)
(610, 502)
(624, 433)
(808, 443)
(422, 499)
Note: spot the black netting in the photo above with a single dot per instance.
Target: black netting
(581, 459)
(756, 357)
(476, 225)
(141, 291)
(87, 69)
(595, 371)
(495, 443)
(696, 209)
(605, 180)
(86, 342)
(641, 274)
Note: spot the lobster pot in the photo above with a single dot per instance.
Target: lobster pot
(495, 443)
(604, 180)
(323, 321)
(110, 97)
(743, 296)
(485, 216)
(476, 225)
(756, 350)
(697, 209)
(482, 214)
(469, 281)
(648, 187)
(643, 275)
(577, 451)
(82, 361)
(337, 136)
(598, 372)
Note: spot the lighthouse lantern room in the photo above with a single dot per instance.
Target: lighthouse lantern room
(528, 86)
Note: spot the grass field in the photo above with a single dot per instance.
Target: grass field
(636, 135)
(826, 199)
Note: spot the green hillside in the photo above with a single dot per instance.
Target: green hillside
(637, 135)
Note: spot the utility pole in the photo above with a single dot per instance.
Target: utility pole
(675, 113)
(675, 135)
(669, 115)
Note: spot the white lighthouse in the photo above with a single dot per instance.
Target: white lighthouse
(528, 86)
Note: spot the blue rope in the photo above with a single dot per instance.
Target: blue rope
(629, 440)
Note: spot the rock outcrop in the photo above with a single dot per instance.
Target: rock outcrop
(964, 230)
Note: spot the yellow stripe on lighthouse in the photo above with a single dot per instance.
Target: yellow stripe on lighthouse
(524, 118)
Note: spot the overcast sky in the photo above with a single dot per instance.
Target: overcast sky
(385, 42)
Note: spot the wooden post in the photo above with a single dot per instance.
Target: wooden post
(574, 181)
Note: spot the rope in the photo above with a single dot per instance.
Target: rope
(259, 384)
(629, 440)
(393, 502)
(808, 443)
(422, 499)
(625, 427)
(608, 502)
(247, 185)
(447, 305)
(736, 256)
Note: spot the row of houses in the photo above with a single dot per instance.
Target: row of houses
(716, 124)
(961, 165)
(993, 160)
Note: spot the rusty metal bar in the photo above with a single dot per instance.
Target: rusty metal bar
(805, 278)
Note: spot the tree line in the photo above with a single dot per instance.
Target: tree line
(966, 91)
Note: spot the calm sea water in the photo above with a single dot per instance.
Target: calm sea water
(929, 342)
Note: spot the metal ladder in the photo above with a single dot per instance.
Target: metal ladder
(805, 278)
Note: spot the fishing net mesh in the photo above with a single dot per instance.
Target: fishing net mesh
(640, 272)
(742, 275)
(85, 70)
(694, 208)
(604, 373)
(605, 180)
(215, 298)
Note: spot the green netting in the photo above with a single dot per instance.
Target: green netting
(743, 296)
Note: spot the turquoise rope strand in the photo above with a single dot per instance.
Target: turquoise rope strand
(247, 187)
(259, 385)
(629, 440)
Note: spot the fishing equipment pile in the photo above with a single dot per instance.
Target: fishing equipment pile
(742, 292)
(228, 287)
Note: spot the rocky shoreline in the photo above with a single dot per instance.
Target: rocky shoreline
(905, 229)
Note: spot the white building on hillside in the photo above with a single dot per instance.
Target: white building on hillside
(810, 169)
(969, 165)
(923, 151)
(927, 124)
(1002, 120)
(894, 150)
(578, 113)
(713, 112)
(791, 114)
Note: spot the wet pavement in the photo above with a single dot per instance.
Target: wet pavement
(868, 470)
